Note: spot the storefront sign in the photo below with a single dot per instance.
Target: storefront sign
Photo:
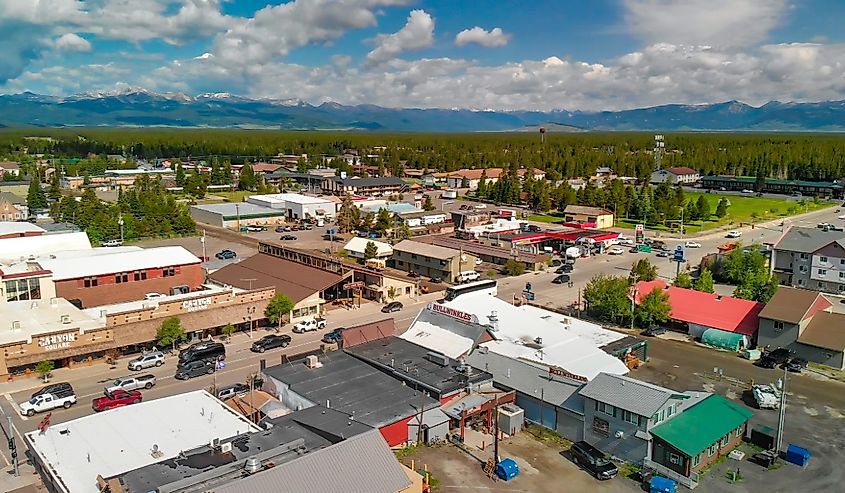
(554, 370)
(601, 427)
(451, 312)
(56, 341)
(353, 285)
(196, 304)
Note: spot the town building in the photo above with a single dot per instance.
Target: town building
(308, 182)
(236, 214)
(432, 260)
(580, 216)
(9, 167)
(717, 320)
(680, 175)
(472, 177)
(16, 248)
(113, 179)
(13, 207)
(356, 247)
(774, 185)
(489, 251)
(803, 321)
(297, 207)
(384, 185)
(418, 219)
(810, 258)
(18, 229)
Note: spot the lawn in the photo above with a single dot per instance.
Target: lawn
(236, 196)
(551, 217)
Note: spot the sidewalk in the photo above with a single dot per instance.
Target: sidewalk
(28, 481)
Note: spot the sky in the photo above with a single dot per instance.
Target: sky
(479, 54)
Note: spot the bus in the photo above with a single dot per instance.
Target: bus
(488, 286)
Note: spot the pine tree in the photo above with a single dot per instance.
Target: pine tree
(247, 180)
(703, 208)
(35, 197)
(180, 175)
(704, 282)
(348, 216)
(370, 250)
(722, 208)
(428, 205)
(384, 221)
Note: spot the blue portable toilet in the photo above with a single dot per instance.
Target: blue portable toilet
(659, 484)
(507, 469)
(797, 455)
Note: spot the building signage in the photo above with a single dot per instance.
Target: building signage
(56, 341)
(353, 285)
(554, 370)
(601, 427)
(196, 304)
(451, 312)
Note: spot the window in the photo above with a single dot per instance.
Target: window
(670, 410)
(725, 440)
(140, 275)
(820, 285)
(823, 260)
(712, 450)
(804, 256)
(630, 417)
(738, 432)
(606, 408)
(696, 459)
(800, 282)
(23, 290)
(778, 325)
(168, 271)
(822, 272)
(842, 261)
(413, 256)
(121, 278)
(89, 282)
(802, 268)
(400, 263)
(841, 288)
(674, 458)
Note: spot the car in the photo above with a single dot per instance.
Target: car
(148, 360)
(795, 365)
(153, 296)
(653, 331)
(115, 399)
(615, 251)
(627, 242)
(279, 229)
(746, 190)
(225, 255)
(722, 189)
(592, 460)
(132, 383)
(253, 228)
(229, 391)
(477, 261)
(393, 306)
(435, 280)
(561, 279)
(480, 206)
(333, 336)
(288, 238)
(564, 269)
(362, 234)
(113, 243)
(775, 358)
(634, 250)
(662, 254)
(692, 244)
(287, 229)
(823, 225)
(48, 398)
(307, 226)
(309, 324)
(734, 234)
(270, 342)
(556, 263)
(413, 274)
(195, 369)
(295, 227)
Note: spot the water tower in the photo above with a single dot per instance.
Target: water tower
(659, 147)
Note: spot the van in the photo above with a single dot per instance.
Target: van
(203, 351)
(468, 276)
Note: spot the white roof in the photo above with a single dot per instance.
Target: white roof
(432, 337)
(43, 317)
(497, 226)
(565, 342)
(358, 245)
(294, 198)
(15, 227)
(131, 306)
(121, 440)
(12, 249)
(111, 260)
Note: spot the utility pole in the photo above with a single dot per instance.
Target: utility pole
(633, 301)
(10, 436)
(238, 214)
(781, 412)
(120, 223)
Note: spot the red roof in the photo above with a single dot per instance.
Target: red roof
(710, 310)
(682, 170)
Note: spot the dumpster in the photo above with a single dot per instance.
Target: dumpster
(797, 455)
(659, 484)
(507, 469)
(763, 437)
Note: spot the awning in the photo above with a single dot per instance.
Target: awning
(723, 339)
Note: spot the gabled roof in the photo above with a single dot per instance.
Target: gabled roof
(627, 393)
(359, 245)
(808, 240)
(793, 304)
(369, 182)
(582, 209)
(682, 170)
(702, 425)
(826, 330)
(426, 250)
(707, 309)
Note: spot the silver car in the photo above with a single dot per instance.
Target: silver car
(148, 360)
(132, 383)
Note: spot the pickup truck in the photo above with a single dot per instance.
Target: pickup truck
(46, 402)
(766, 396)
(132, 383)
(309, 324)
(118, 398)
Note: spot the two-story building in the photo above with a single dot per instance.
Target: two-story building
(587, 217)
(432, 260)
(680, 175)
(383, 185)
(811, 258)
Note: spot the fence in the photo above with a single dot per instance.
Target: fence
(690, 482)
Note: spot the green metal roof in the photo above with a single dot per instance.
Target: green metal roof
(702, 425)
(722, 339)
(773, 181)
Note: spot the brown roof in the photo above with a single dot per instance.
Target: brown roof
(9, 165)
(247, 405)
(792, 304)
(583, 209)
(265, 167)
(296, 281)
(682, 170)
(353, 336)
(426, 250)
(826, 330)
(475, 174)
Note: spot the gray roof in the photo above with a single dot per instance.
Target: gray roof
(808, 240)
(233, 209)
(12, 198)
(331, 424)
(362, 464)
(627, 393)
(528, 379)
(352, 386)
(426, 250)
(369, 182)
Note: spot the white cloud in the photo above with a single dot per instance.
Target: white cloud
(491, 39)
(416, 34)
(703, 22)
(73, 42)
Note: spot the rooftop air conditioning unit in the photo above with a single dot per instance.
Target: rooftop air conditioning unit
(65, 319)
(437, 358)
(16, 325)
(252, 465)
(225, 448)
(312, 362)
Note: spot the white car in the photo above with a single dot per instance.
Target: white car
(628, 242)
(692, 244)
(153, 296)
(477, 261)
(309, 325)
(615, 251)
(734, 234)
(747, 191)
(480, 206)
(112, 243)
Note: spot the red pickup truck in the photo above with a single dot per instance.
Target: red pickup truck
(117, 398)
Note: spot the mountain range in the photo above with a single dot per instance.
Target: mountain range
(140, 108)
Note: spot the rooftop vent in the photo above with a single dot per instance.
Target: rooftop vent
(155, 452)
(494, 320)
(226, 448)
(16, 325)
(65, 319)
(312, 362)
(437, 358)
(252, 466)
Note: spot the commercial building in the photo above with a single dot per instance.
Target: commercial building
(356, 247)
(236, 214)
(587, 217)
(297, 207)
(113, 179)
(802, 320)
(18, 229)
(432, 260)
(17, 248)
(470, 178)
(418, 219)
(775, 185)
(810, 258)
(384, 185)
(680, 175)
(722, 321)
(492, 254)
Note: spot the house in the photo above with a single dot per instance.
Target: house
(12, 207)
(681, 175)
(801, 320)
(384, 185)
(432, 260)
(9, 167)
(699, 436)
(472, 177)
(587, 217)
(721, 321)
(356, 247)
(810, 258)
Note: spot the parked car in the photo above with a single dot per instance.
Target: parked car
(153, 296)
(734, 234)
(333, 337)
(692, 244)
(556, 262)
(270, 342)
(195, 369)
(391, 307)
(288, 238)
(279, 229)
(796, 364)
(118, 398)
(229, 391)
(615, 251)
(155, 358)
(436, 280)
(775, 358)
(561, 279)
(413, 274)
(48, 398)
(767, 396)
(823, 225)
(654, 330)
(662, 254)
(592, 460)
(225, 255)
(309, 325)
(254, 228)
(477, 261)
(564, 269)
(132, 383)
(747, 190)
(112, 243)
(202, 351)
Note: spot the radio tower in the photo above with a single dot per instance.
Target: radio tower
(659, 147)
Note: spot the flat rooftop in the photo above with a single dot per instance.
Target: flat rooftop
(17, 227)
(295, 198)
(21, 321)
(12, 249)
(115, 442)
(102, 261)
(246, 210)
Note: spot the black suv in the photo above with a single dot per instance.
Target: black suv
(270, 342)
(775, 358)
(61, 389)
(391, 307)
(593, 460)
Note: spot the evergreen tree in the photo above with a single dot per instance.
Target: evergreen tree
(348, 216)
(370, 250)
(722, 208)
(428, 205)
(704, 283)
(35, 197)
(180, 175)
(226, 176)
(703, 208)
(384, 221)
(248, 179)
(684, 280)
(55, 191)
(643, 270)
(481, 191)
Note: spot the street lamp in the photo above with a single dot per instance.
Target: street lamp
(120, 223)
(634, 279)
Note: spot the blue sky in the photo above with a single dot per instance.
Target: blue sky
(500, 54)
